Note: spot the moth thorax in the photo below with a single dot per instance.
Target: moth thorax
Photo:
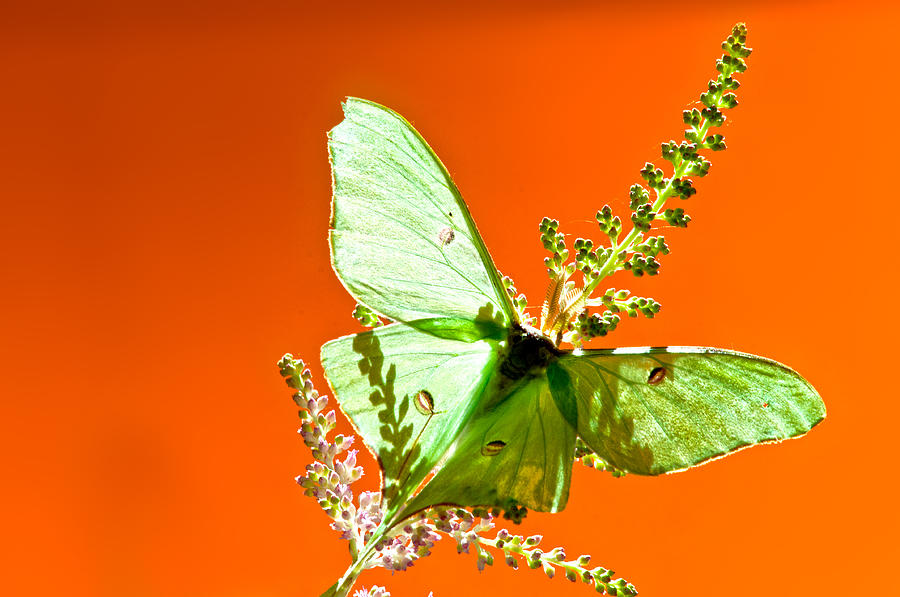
(529, 351)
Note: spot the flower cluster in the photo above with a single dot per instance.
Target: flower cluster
(366, 317)
(328, 479)
(591, 459)
(375, 591)
(567, 306)
(412, 541)
(519, 302)
(517, 548)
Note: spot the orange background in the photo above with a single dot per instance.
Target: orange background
(165, 204)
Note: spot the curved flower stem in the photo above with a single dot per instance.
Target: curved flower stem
(360, 563)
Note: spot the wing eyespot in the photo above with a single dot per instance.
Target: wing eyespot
(424, 402)
(493, 448)
(657, 375)
(446, 236)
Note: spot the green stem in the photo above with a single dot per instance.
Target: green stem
(573, 570)
(409, 452)
(634, 235)
(360, 563)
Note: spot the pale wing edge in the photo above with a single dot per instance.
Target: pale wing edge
(675, 350)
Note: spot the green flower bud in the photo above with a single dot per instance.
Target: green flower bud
(713, 115)
(638, 195)
(715, 142)
(366, 316)
(691, 118)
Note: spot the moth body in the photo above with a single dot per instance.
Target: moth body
(528, 352)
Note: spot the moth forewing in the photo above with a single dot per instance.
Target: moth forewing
(396, 215)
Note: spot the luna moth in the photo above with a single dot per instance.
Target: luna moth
(457, 384)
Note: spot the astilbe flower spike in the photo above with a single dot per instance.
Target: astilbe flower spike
(566, 315)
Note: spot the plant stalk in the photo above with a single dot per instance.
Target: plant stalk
(343, 586)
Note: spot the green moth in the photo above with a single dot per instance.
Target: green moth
(458, 384)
